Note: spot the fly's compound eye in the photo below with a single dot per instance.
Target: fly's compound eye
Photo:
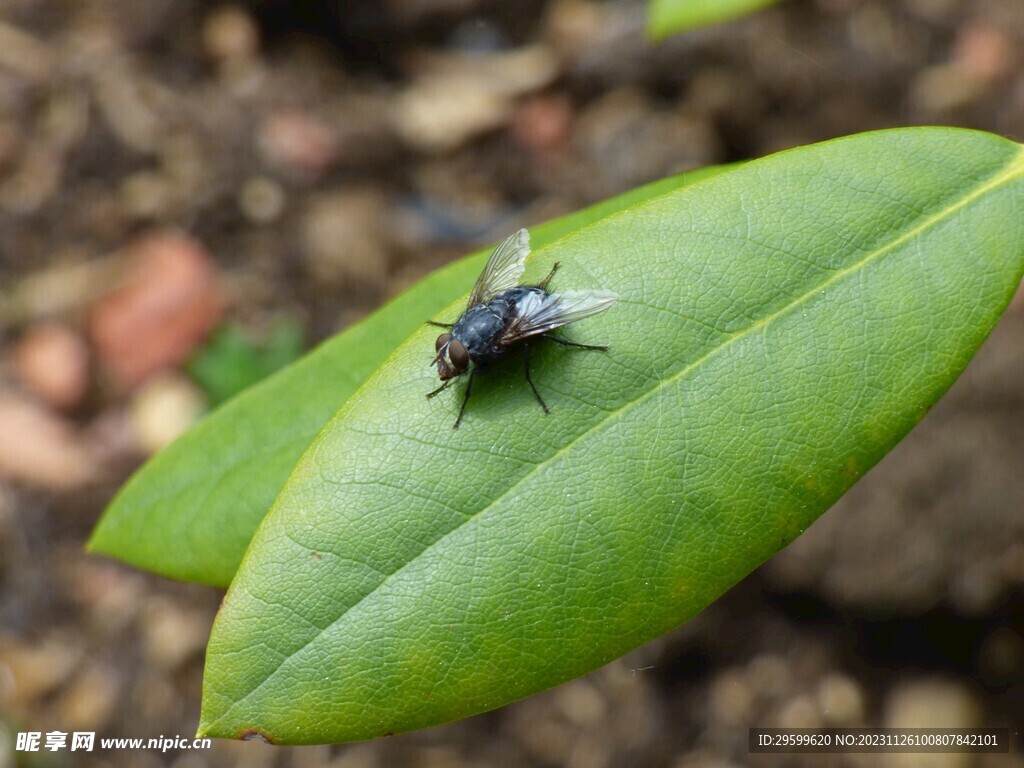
(443, 339)
(458, 354)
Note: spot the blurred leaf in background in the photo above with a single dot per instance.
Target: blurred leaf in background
(233, 360)
(670, 17)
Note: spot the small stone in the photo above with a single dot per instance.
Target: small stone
(343, 238)
(769, 675)
(146, 195)
(544, 123)
(841, 700)
(230, 32)
(983, 51)
(163, 409)
(166, 305)
(442, 114)
(581, 703)
(297, 142)
(931, 703)
(261, 200)
(943, 87)
(800, 712)
(730, 698)
(34, 182)
(173, 635)
(460, 97)
(37, 669)
(53, 362)
(89, 703)
(40, 448)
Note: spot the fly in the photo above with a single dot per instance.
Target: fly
(501, 314)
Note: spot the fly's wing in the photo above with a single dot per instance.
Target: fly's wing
(539, 314)
(503, 269)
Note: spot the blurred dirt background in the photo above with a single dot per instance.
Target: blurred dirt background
(190, 192)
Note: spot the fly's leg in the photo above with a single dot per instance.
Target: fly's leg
(462, 410)
(543, 284)
(441, 325)
(526, 348)
(567, 343)
(431, 394)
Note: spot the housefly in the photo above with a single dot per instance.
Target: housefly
(501, 314)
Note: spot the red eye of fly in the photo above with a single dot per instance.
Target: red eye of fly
(443, 339)
(458, 354)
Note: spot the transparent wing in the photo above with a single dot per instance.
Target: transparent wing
(503, 269)
(540, 314)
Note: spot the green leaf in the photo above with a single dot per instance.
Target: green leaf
(190, 512)
(670, 17)
(781, 327)
(232, 361)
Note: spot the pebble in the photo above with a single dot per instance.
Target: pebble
(802, 711)
(931, 703)
(262, 200)
(441, 114)
(163, 409)
(34, 182)
(942, 88)
(343, 238)
(770, 675)
(37, 668)
(52, 361)
(544, 123)
(459, 97)
(580, 702)
(230, 33)
(89, 703)
(24, 54)
(841, 700)
(983, 51)
(146, 195)
(172, 635)
(40, 448)
(730, 697)
(298, 143)
(166, 305)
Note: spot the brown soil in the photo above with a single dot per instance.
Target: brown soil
(320, 157)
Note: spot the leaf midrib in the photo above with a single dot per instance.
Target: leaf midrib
(1014, 168)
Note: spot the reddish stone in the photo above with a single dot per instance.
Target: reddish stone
(170, 300)
(53, 361)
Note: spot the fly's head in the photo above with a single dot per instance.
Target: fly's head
(452, 357)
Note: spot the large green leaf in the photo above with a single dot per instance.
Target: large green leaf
(781, 327)
(190, 512)
(670, 17)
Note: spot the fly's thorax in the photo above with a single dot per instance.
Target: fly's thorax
(480, 327)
